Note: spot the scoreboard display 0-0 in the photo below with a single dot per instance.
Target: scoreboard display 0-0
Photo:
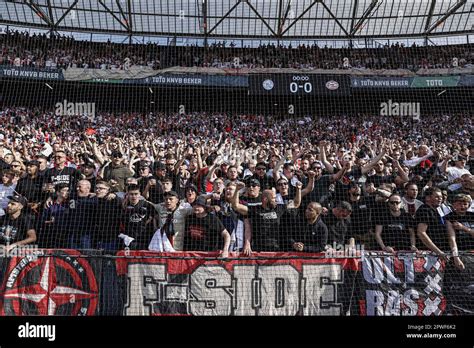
(297, 84)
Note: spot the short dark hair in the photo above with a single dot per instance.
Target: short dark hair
(430, 190)
(133, 187)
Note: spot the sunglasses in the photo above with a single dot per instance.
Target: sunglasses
(394, 202)
(355, 194)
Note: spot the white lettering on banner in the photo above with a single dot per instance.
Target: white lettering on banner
(320, 289)
(378, 271)
(207, 287)
(143, 289)
(280, 284)
(249, 290)
(372, 270)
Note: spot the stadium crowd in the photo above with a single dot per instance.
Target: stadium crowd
(236, 183)
(57, 51)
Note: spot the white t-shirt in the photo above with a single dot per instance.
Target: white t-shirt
(6, 191)
(455, 173)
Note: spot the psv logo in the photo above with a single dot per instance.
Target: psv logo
(49, 285)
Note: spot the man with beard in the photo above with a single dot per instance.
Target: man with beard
(154, 189)
(117, 171)
(260, 174)
(409, 202)
(171, 217)
(309, 233)
(431, 228)
(16, 226)
(81, 208)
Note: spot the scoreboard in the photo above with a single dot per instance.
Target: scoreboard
(298, 84)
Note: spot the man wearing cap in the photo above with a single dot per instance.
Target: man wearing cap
(260, 174)
(144, 175)
(205, 232)
(16, 226)
(88, 173)
(171, 219)
(116, 170)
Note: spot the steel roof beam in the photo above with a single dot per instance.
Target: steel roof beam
(366, 15)
(445, 16)
(335, 18)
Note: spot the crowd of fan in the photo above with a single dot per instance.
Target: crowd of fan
(56, 51)
(240, 183)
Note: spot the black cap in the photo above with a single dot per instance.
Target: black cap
(261, 164)
(159, 165)
(19, 199)
(60, 186)
(201, 200)
(253, 182)
(32, 163)
(88, 164)
(171, 193)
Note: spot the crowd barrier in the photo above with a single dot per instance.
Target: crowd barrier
(77, 283)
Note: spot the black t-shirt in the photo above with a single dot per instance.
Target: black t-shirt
(436, 226)
(67, 175)
(338, 229)
(203, 234)
(138, 222)
(320, 190)
(251, 201)
(363, 213)
(14, 230)
(378, 180)
(395, 231)
(266, 227)
(266, 182)
(30, 188)
(106, 219)
(464, 240)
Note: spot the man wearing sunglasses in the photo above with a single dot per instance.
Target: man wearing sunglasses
(61, 174)
(394, 227)
(260, 174)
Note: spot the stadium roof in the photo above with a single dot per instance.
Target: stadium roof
(278, 19)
